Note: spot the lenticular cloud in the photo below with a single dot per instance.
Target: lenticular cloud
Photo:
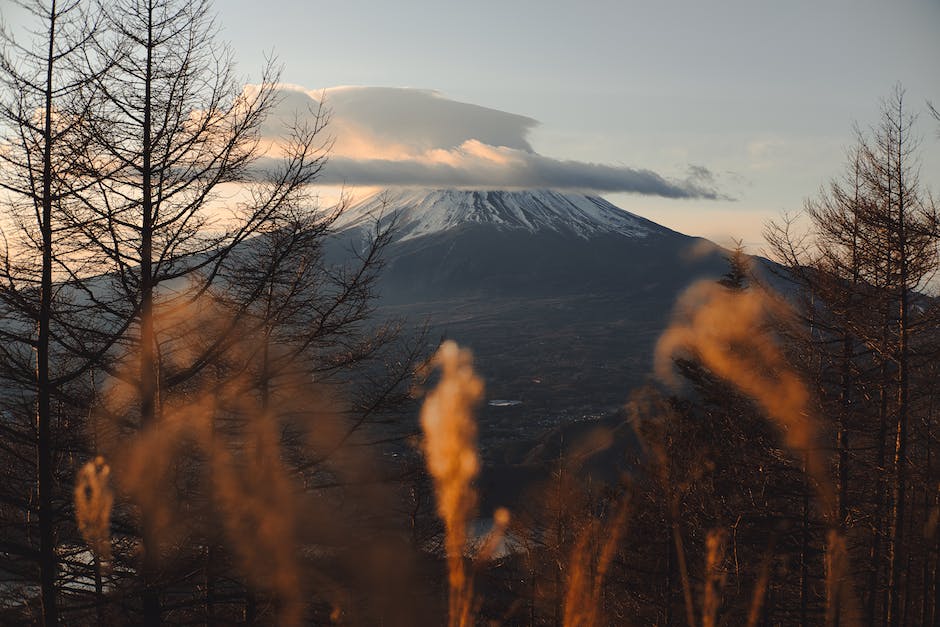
(387, 136)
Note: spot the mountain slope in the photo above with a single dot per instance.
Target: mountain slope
(497, 244)
(419, 213)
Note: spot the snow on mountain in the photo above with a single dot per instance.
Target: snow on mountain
(426, 212)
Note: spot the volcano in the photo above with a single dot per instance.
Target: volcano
(525, 244)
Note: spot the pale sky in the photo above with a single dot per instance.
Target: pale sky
(763, 95)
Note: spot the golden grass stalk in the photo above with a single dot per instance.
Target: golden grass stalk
(93, 502)
(451, 456)
(837, 591)
(728, 331)
(715, 545)
(493, 539)
(585, 578)
(256, 498)
(760, 588)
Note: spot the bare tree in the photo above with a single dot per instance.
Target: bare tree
(908, 222)
(170, 131)
(44, 101)
(870, 251)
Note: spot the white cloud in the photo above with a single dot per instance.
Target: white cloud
(410, 137)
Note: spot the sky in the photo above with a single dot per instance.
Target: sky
(709, 117)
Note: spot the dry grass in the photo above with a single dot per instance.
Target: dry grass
(586, 572)
(93, 502)
(451, 457)
(715, 576)
(223, 443)
(729, 332)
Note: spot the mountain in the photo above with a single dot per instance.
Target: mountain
(421, 213)
(523, 244)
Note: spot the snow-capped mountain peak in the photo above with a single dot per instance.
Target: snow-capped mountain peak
(420, 213)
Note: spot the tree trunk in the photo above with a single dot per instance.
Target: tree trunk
(929, 538)
(804, 555)
(47, 556)
(670, 577)
(897, 559)
(881, 497)
(936, 570)
(148, 370)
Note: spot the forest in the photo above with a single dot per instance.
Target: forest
(204, 420)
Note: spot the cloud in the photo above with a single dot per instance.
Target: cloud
(465, 167)
(409, 137)
(700, 173)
